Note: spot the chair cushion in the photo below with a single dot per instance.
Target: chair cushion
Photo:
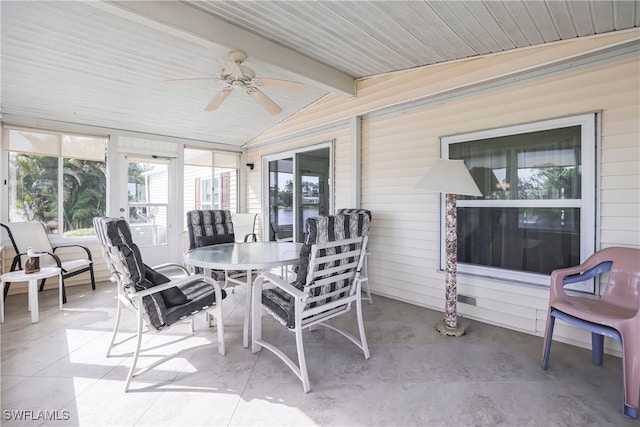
(208, 223)
(214, 240)
(330, 228)
(119, 234)
(201, 296)
(318, 230)
(172, 296)
(280, 304)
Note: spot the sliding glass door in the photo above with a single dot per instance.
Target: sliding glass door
(298, 187)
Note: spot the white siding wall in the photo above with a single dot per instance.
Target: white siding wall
(399, 147)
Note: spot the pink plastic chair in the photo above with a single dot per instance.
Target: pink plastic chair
(615, 314)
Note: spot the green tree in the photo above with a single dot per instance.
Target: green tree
(36, 179)
(85, 187)
(36, 189)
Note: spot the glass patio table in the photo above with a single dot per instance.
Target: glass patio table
(246, 256)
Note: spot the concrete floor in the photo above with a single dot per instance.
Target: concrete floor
(490, 376)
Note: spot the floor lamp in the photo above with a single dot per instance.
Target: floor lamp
(450, 177)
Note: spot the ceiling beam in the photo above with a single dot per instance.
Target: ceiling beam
(187, 22)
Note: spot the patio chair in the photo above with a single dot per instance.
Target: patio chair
(213, 227)
(157, 301)
(244, 225)
(32, 234)
(327, 285)
(616, 314)
(364, 276)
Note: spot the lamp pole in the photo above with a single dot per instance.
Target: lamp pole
(450, 177)
(449, 325)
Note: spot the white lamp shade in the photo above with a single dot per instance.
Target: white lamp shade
(449, 176)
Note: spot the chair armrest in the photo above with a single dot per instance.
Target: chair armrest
(76, 246)
(250, 237)
(174, 283)
(287, 287)
(168, 265)
(55, 257)
(585, 271)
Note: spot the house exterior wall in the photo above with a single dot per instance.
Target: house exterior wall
(400, 145)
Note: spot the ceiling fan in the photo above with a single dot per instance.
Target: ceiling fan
(237, 75)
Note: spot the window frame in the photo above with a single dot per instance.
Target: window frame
(587, 202)
(5, 150)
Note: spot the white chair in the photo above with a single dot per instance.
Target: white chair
(214, 227)
(326, 287)
(364, 277)
(157, 301)
(32, 234)
(244, 226)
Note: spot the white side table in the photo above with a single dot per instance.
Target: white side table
(32, 278)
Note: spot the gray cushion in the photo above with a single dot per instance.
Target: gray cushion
(214, 240)
(172, 296)
(318, 229)
(208, 223)
(181, 301)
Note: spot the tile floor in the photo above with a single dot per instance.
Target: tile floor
(490, 376)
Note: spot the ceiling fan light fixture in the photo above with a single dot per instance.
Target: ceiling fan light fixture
(234, 74)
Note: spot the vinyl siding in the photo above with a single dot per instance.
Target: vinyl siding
(399, 146)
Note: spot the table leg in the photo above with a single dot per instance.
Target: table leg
(247, 312)
(61, 297)
(33, 300)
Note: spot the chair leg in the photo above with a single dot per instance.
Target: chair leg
(631, 372)
(93, 278)
(548, 336)
(6, 289)
(220, 326)
(302, 363)
(597, 348)
(64, 292)
(136, 354)
(115, 328)
(42, 285)
(363, 336)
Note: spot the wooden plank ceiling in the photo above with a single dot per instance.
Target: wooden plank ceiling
(104, 63)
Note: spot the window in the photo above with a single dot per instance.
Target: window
(206, 194)
(537, 211)
(298, 187)
(210, 180)
(56, 178)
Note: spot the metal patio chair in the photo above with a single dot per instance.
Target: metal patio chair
(32, 234)
(157, 301)
(327, 286)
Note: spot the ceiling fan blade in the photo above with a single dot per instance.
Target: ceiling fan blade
(264, 100)
(278, 84)
(194, 79)
(218, 99)
(231, 67)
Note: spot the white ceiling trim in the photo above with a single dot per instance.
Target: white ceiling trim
(185, 21)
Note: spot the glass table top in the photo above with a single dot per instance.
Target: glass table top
(245, 256)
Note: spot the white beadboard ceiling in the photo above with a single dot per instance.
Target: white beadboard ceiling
(103, 63)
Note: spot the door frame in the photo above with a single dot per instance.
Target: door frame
(296, 190)
(172, 251)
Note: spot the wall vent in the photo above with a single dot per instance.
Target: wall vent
(466, 299)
